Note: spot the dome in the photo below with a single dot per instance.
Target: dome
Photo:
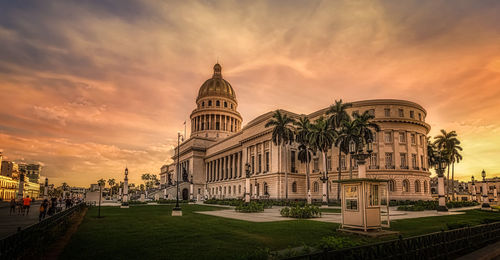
(216, 86)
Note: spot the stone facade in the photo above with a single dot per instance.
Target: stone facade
(212, 160)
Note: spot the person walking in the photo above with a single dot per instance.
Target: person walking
(12, 206)
(53, 205)
(19, 205)
(43, 209)
(26, 205)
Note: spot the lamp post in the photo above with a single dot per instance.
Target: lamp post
(486, 203)
(125, 191)
(360, 156)
(441, 196)
(247, 182)
(473, 189)
(177, 211)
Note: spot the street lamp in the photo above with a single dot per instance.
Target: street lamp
(486, 203)
(177, 211)
(473, 189)
(441, 197)
(247, 182)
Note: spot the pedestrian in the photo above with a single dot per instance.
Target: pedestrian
(43, 209)
(12, 206)
(26, 205)
(19, 205)
(53, 205)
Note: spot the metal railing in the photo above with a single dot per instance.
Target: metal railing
(38, 235)
(438, 245)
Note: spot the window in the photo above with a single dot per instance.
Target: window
(414, 161)
(253, 164)
(292, 161)
(421, 140)
(294, 187)
(425, 187)
(392, 185)
(412, 114)
(413, 139)
(388, 137)
(224, 190)
(387, 112)
(419, 116)
(217, 125)
(402, 137)
(251, 189)
(315, 186)
(329, 163)
(351, 197)
(422, 161)
(267, 161)
(401, 112)
(225, 104)
(315, 164)
(260, 162)
(266, 192)
(417, 186)
(229, 190)
(239, 189)
(217, 103)
(234, 189)
(373, 159)
(404, 163)
(388, 159)
(374, 195)
(210, 103)
(231, 106)
(343, 162)
(203, 104)
(406, 186)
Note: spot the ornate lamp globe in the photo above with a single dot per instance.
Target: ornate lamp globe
(483, 174)
(369, 147)
(352, 147)
(472, 178)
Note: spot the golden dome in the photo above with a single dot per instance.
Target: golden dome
(216, 86)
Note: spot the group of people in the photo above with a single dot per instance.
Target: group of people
(22, 206)
(47, 207)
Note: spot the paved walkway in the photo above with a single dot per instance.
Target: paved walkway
(10, 223)
(273, 214)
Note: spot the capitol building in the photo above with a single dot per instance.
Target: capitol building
(212, 160)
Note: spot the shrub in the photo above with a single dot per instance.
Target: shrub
(335, 243)
(250, 207)
(307, 211)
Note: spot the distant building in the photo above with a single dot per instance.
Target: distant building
(32, 171)
(10, 169)
(94, 187)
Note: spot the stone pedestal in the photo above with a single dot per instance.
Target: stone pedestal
(176, 213)
(442, 198)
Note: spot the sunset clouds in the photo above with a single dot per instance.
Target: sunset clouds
(88, 87)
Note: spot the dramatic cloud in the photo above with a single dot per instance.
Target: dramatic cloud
(88, 87)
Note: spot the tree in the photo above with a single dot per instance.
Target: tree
(302, 130)
(101, 183)
(456, 157)
(282, 135)
(321, 137)
(338, 114)
(444, 144)
(111, 183)
(348, 131)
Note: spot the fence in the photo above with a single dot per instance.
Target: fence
(37, 236)
(439, 245)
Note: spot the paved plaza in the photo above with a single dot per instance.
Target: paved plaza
(273, 214)
(10, 223)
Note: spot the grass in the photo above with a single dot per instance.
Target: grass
(150, 232)
(323, 210)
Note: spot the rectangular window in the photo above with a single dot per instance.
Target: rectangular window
(413, 139)
(374, 195)
(401, 112)
(343, 162)
(388, 159)
(351, 195)
(387, 112)
(412, 114)
(329, 163)
(267, 161)
(316, 164)
(422, 161)
(260, 162)
(292, 161)
(402, 137)
(414, 160)
(403, 160)
(421, 140)
(373, 159)
(388, 137)
(253, 164)
(419, 116)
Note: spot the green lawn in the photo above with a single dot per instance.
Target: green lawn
(326, 210)
(150, 232)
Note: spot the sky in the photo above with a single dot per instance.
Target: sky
(89, 87)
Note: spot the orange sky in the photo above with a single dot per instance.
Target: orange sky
(89, 87)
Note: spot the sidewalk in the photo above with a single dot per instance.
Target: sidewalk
(486, 253)
(10, 223)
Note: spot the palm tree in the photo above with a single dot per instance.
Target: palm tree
(321, 137)
(302, 130)
(349, 131)
(338, 112)
(282, 136)
(432, 159)
(111, 182)
(444, 143)
(456, 157)
(366, 126)
(101, 183)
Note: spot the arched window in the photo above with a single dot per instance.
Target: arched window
(225, 104)
(315, 186)
(294, 187)
(417, 186)
(266, 189)
(239, 189)
(234, 189)
(203, 104)
(406, 186)
(392, 185)
(425, 187)
(231, 106)
(217, 103)
(210, 103)
(229, 190)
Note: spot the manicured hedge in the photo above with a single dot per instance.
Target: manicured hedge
(307, 211)
(250, 207)
(421, 205)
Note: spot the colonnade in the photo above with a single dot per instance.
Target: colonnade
(215, 122)
(225, 168)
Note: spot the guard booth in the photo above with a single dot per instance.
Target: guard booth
(361, 203)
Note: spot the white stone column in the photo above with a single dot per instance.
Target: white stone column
(486, 203)
(442, 198)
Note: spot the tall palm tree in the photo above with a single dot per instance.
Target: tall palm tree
(349, 131)
(302, 130)
(282, 136)
(456, 157)
(338, 114)
(366, 126)
(432, 160)
(322, 137)
(101, 183)
(444, 142)
(111, 183)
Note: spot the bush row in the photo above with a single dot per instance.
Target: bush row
(307, 211)
(289, 203)
(421, 205)
(250, 207)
